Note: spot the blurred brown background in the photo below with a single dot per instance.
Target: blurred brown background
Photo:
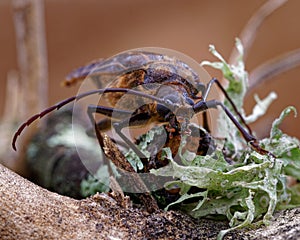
(79, 31)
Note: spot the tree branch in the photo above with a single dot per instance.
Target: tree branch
(249, 31)
(32, 61)
(31, 212)
(274, 67)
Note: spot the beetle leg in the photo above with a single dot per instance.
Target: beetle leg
(130, 119)
(134, 120)
(203, 106)
(205, 124)
(105, 124)
(206, 92)
(248, 136)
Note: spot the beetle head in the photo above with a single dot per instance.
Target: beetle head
(177, 108)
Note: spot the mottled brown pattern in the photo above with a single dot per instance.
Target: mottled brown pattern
(129, 80)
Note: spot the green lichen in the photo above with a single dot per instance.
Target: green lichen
(256, 185)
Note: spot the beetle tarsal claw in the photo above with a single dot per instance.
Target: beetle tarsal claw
(255, 145)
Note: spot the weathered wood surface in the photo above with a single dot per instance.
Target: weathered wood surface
(28, 211)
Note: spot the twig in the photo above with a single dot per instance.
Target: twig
(12, 98)
(273, 67)
(249, 32)
(9, 117)
(32, 59)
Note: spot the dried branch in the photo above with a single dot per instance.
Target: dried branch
(249, 32)
(10, 115)
(31, 85)
(274, 67)
(31, 212)
(32, 59)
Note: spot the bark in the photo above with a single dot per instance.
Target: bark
(31, 212)
(28, 211)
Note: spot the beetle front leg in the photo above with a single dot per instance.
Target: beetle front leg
(203, 106)
(108, 112)
(247, 135)
(136, 120)
(217, 82)
(105, 124)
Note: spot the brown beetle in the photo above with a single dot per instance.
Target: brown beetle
(168, 90)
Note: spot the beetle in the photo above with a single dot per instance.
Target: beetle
(158, 88)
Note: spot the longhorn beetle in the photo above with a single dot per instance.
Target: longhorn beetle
(170, 90)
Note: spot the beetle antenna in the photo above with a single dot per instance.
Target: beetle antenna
(39, 115)
(76, 98)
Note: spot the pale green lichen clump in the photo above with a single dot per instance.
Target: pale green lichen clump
(256, 185)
